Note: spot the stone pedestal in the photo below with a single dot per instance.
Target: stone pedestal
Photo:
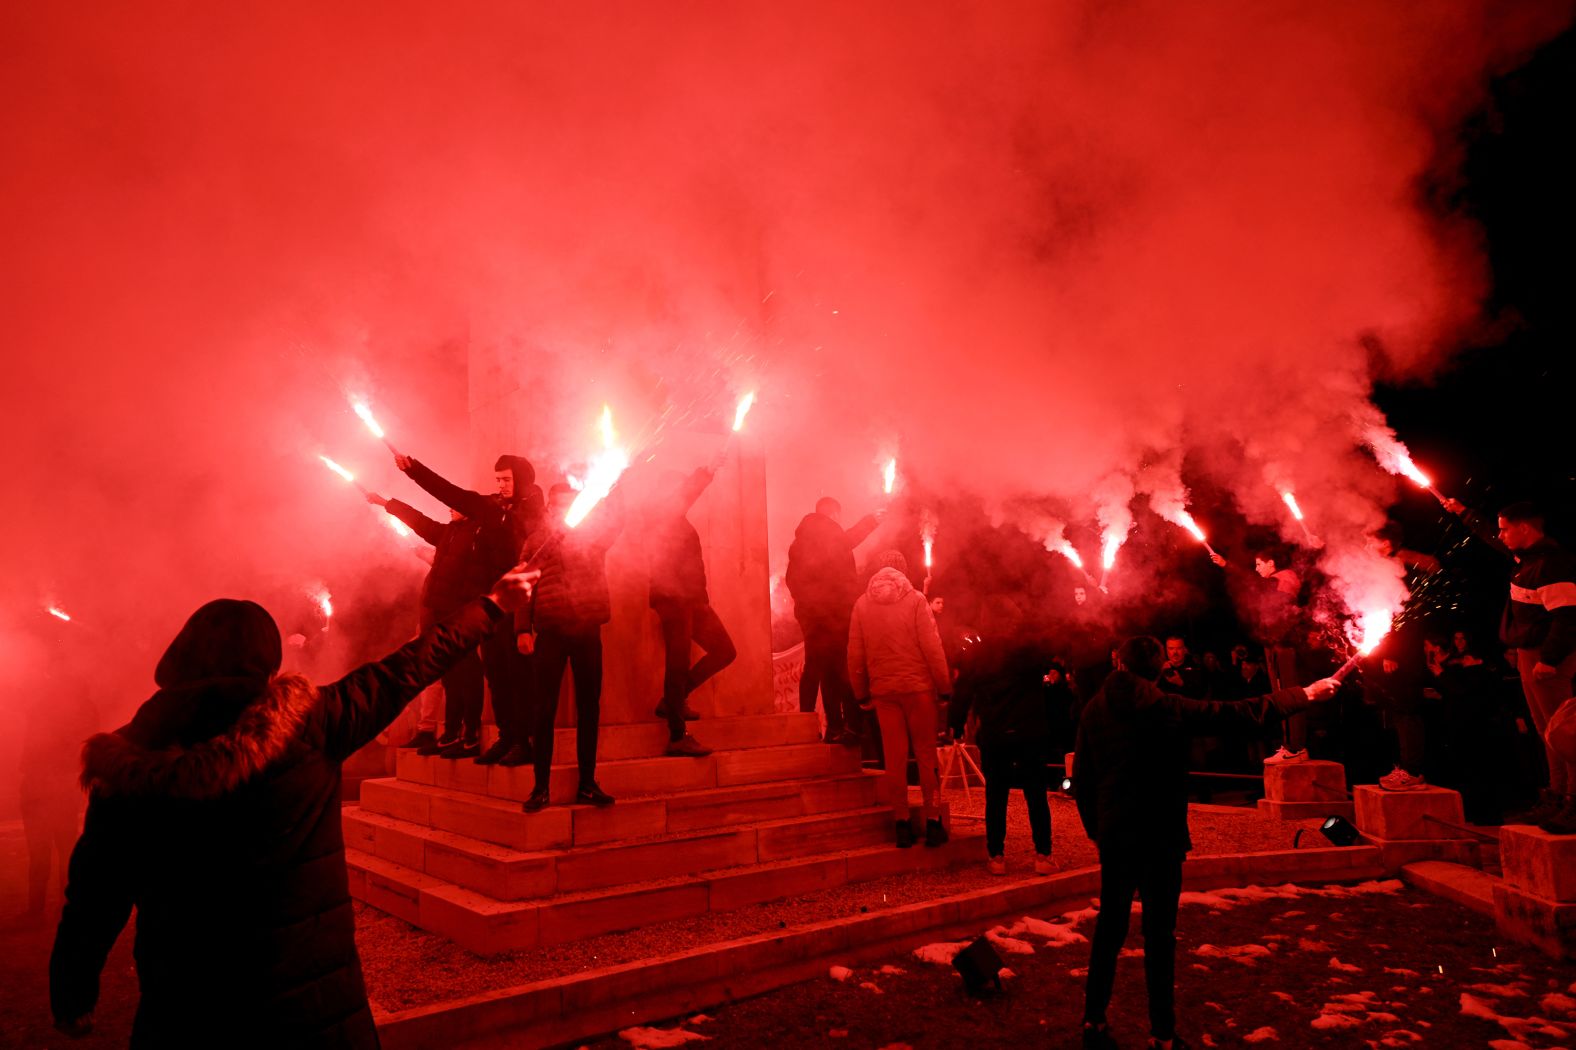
(1536, 902)
(1410, 826)
(1303, 790)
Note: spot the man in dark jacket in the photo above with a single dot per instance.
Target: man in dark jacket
(503, 520)
(1130, 779)
(457, 575)
(683, 605)
(824, 586)
(215, 813)
(1539, 624)
(567, 611)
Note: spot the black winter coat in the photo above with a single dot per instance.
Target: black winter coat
(1130, 764)
(458, 573)
(502, 524)
(572, 595)
(821, 574)
(678, 569)
(215, 813)
(1005, 687)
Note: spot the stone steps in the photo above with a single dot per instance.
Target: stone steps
(637, 777)
(503, 823)
(507, 874)
(487, 925)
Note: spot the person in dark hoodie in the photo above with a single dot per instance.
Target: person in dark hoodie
(215, 814)
(683, 606)
(1539, 626)
(896, 666)
(503, 520)
(567, 611)
(457, 575)
(1130, 781)
(824, 586)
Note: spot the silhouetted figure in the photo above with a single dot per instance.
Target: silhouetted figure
(59, 717)
(215, 814)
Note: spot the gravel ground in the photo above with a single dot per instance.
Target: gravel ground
(1389, 968)
(406, 966)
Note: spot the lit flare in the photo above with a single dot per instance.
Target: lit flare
(337, 469)
(1291, 504)
(58, 613)
(889, 476)
(745, 404)
(602, 473)
(361, 409)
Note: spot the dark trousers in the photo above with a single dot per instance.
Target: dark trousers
(1005, 763)
(50, 823)
(826, 672)
(582, 654)
(1157, 878)
(509, 679)
(462, 689)
(685, 626)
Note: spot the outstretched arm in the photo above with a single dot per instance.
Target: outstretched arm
(861, 530)
(420, 524)
(471, 504)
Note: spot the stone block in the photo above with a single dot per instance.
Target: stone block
(1395, 854)
(615, 865)
(574, 918)
(503, 874)
(392, 798)
(775, 881)
(633, 819)
(825, 833)
(1539, 863)
(724, 807)
(476, 923)
(414, 768)
(500, 821)
(1548, 925)
(782, 763)
(642, 777)
(1277, 810)
(459, 774)
(853, 791)
(1310, 781)
(1398, 815)
(1457, 882)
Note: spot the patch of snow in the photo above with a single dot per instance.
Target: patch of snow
(1554, 1002)
(659, 1038)
(1504, 991)
(700, 1019)
(843, 973)
(1003, 941)
(1246, 954)
(941, 953)
(1130, 953)
(1325, 1022)
(1507, 1044)
(1261, 1035)
(1305, 944)
(1383, 1017)
(891, 970)
(1285, 997)
(1401, 971)
(1056, 934)
(871, 986)
(1400, 1037)
(1336, 964)
(1006, 973)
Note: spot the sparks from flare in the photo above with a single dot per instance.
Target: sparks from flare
(1370, 629)
(889, 476)
(745, 404)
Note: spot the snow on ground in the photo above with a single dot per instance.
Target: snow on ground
(843, 973)
(941, 953)
(658, 1038)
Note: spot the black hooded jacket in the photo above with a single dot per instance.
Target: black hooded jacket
(678, 567)
(821, 574)
(502, 524)
(215, 814)
(1130, 765)
(458, 573)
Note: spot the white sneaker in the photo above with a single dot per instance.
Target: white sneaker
(1282, 756)
(996, 865)
(1399, 779)
(1044, 865)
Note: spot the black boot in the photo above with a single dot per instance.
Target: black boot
(592, 795)
(905, 834)
(465, 747)
(935, 834)
(517, 755)
(537, 802)
(425, 738)
(494, 753)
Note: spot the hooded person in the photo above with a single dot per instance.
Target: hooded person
(1130, 772)
(215, 813)
(503, 518)
(896, 666)
(824, 586)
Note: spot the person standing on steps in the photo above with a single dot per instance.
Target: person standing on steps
(896, 666)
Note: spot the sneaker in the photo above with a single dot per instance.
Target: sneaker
(1283, 756)
(1098, 1037)
(996, 865)
(1399, 779)
(1563, 821)
(494, 753)
(689, 712)
(518, 755)
(462, 748)
(592, 795)
(688, 746)
(536, 802)
(935, 834)
(425, 738)
(849, 738)
(437, 746)
(905, 834)
(1044, 865)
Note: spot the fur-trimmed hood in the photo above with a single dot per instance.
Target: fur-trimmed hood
(168, 750)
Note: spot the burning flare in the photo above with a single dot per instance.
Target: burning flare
(603, 472)
(400, 528)
(927, 532)
(889, 476)
(1108, 551)
(58, 613)
(1291, 504)
(337, 469)
(745, 404)
(361, 409)
(1068, 551)
(325, 601)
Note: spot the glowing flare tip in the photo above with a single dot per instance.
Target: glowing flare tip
(1291, 505)
(1068, 551)
(1108, 552)
(601, 475)
(889, 476)
(337, 469)
(745, 404)
(1185, 520)
(361, 409)
(325, 602)
(605, 424)
(400, 528)
(58, 613)
(1404, 464)
(929, 544)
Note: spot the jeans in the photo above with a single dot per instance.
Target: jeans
(908, 720)
(684, 626)
(462, 694)
(508, 674)
(1543, 699)
(1157, 878)
(582, 654)
(1004, 762)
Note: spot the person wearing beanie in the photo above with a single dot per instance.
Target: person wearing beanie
(1130, 781)
(503, 520)
(215, 814)
(896, 666)
(567, 611)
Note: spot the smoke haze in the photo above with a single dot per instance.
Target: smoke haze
(1032, 250)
